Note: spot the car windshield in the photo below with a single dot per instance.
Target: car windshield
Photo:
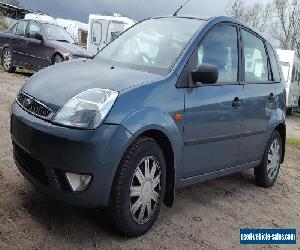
(153, 45)
(54, 32)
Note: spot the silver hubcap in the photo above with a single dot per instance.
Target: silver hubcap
(145, 189)
(273, 159)
(7, 59)
(58, 59)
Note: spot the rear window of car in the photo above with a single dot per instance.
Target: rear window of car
(274, 64)
(13, 29)
(21, 29)
(256, 62)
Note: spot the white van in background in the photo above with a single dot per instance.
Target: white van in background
(290, 63)
(78, 30)
(104, 29)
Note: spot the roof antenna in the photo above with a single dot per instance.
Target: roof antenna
(176, 12)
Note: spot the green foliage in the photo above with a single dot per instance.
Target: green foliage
(3, 24)
(293, 141)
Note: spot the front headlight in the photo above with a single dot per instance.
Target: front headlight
(86, 110)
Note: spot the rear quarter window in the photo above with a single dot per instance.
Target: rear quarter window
(255, 59)
(274, 64)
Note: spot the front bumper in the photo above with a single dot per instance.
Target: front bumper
(43, 150)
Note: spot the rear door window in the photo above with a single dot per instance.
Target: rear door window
(255, 59)
(21, 29)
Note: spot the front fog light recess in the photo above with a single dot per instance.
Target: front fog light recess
(78, 182)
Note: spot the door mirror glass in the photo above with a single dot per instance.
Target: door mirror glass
(38, 36)
(206, 74)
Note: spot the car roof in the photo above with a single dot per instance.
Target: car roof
(41, 21)
(217, 19)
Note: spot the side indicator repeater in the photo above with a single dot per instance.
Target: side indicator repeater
(178, 117)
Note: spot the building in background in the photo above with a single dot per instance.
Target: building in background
(11, 13)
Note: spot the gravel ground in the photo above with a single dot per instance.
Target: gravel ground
(208, 215)
(293, 125)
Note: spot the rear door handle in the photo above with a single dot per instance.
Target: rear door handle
(236, 102)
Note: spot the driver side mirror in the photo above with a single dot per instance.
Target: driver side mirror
(206, 74)
(38, 36)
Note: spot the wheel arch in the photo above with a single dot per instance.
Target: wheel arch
(57, 53)
(163, 141)
(162, 127)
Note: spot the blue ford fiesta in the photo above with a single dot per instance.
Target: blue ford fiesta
(171, 102)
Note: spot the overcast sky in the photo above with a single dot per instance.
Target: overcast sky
(135, 9)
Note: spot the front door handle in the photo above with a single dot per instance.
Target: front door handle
(236, 102)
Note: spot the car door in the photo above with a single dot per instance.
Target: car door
(99, 30)
(259, 97)
(19, 49)
(38, 55)
(213, 112)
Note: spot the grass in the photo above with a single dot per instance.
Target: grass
(293, 142)
(25, 72)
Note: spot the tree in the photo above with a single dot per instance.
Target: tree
(278, 20)
(288, 13)
(257, 15)
(12, 2)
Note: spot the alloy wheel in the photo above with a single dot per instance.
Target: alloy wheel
(273, 159)
(7, 59)
(145, 189)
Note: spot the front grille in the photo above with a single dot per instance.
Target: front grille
(30, 165)
(33, 106)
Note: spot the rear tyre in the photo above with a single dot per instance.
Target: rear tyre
(7, 61)
(266, 173)
(57, 59)
(139, 187)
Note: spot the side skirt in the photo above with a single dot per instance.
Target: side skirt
(212, 175)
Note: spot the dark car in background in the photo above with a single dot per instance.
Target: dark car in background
(35, 44)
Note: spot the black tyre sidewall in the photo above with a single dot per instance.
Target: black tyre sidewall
(129, 226)
(261, 173)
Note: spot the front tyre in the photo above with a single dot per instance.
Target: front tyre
(57, 59)
(266, 173)
(138, 188)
